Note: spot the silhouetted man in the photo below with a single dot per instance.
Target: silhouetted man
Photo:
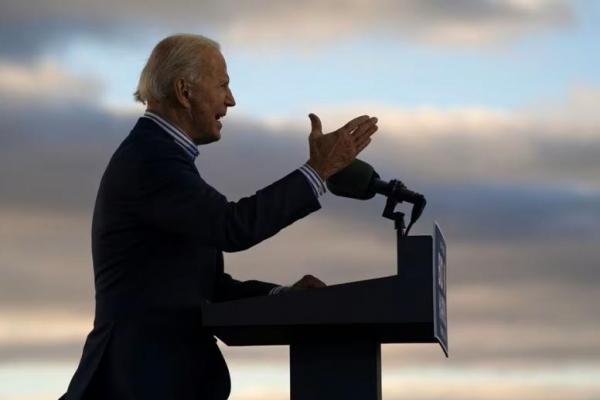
(159, 231)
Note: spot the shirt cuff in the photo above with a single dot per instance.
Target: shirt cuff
(314, 179)
(278, 289)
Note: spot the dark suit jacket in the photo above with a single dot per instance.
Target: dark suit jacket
(158, 234)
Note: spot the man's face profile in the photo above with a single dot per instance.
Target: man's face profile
(209, 99)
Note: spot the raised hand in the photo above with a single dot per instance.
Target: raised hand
(333, 151)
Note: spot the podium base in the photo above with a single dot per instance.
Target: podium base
(331, 371)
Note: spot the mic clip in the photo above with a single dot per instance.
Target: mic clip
(394, 197)
(391, 203)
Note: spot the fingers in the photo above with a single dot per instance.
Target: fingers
(353, 124)
(315, 123)
(335, 150)
(367, 128)
(360, 147)
(363, 138)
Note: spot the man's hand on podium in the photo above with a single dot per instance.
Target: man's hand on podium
(308, 282)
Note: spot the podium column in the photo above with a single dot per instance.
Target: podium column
(333, 371)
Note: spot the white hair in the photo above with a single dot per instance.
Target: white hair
(174, 57)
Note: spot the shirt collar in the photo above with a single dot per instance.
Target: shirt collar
(177, 134)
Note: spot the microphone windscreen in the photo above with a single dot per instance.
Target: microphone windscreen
(354, 181)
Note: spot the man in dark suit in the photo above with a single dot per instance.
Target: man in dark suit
(159, 231)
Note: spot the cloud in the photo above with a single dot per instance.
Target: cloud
(523, 245)
(274, 24)
(491, 325)
(442, 381)
(46, 30)
(269, 381)
(557, 382)
(41, 327)
(445, 23)
(509, 303)
(43, 82)
(554, 143)
(479, 163)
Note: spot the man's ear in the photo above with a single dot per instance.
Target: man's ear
(183, 93)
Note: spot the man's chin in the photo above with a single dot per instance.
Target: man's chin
(213, 137)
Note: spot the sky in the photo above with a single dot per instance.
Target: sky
(487, 107)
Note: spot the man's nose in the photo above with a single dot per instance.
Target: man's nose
(229, 100)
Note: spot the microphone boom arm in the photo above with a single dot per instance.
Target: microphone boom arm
(396, 192)
(360, 181)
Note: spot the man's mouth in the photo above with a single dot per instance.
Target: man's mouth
(217, 118)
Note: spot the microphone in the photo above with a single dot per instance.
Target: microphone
(356, 181)
(360, 181)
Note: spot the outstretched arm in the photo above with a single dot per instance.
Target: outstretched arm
(178, 200)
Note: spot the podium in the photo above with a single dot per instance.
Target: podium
(335, 333)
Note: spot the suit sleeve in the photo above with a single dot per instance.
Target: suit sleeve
(175, 198)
